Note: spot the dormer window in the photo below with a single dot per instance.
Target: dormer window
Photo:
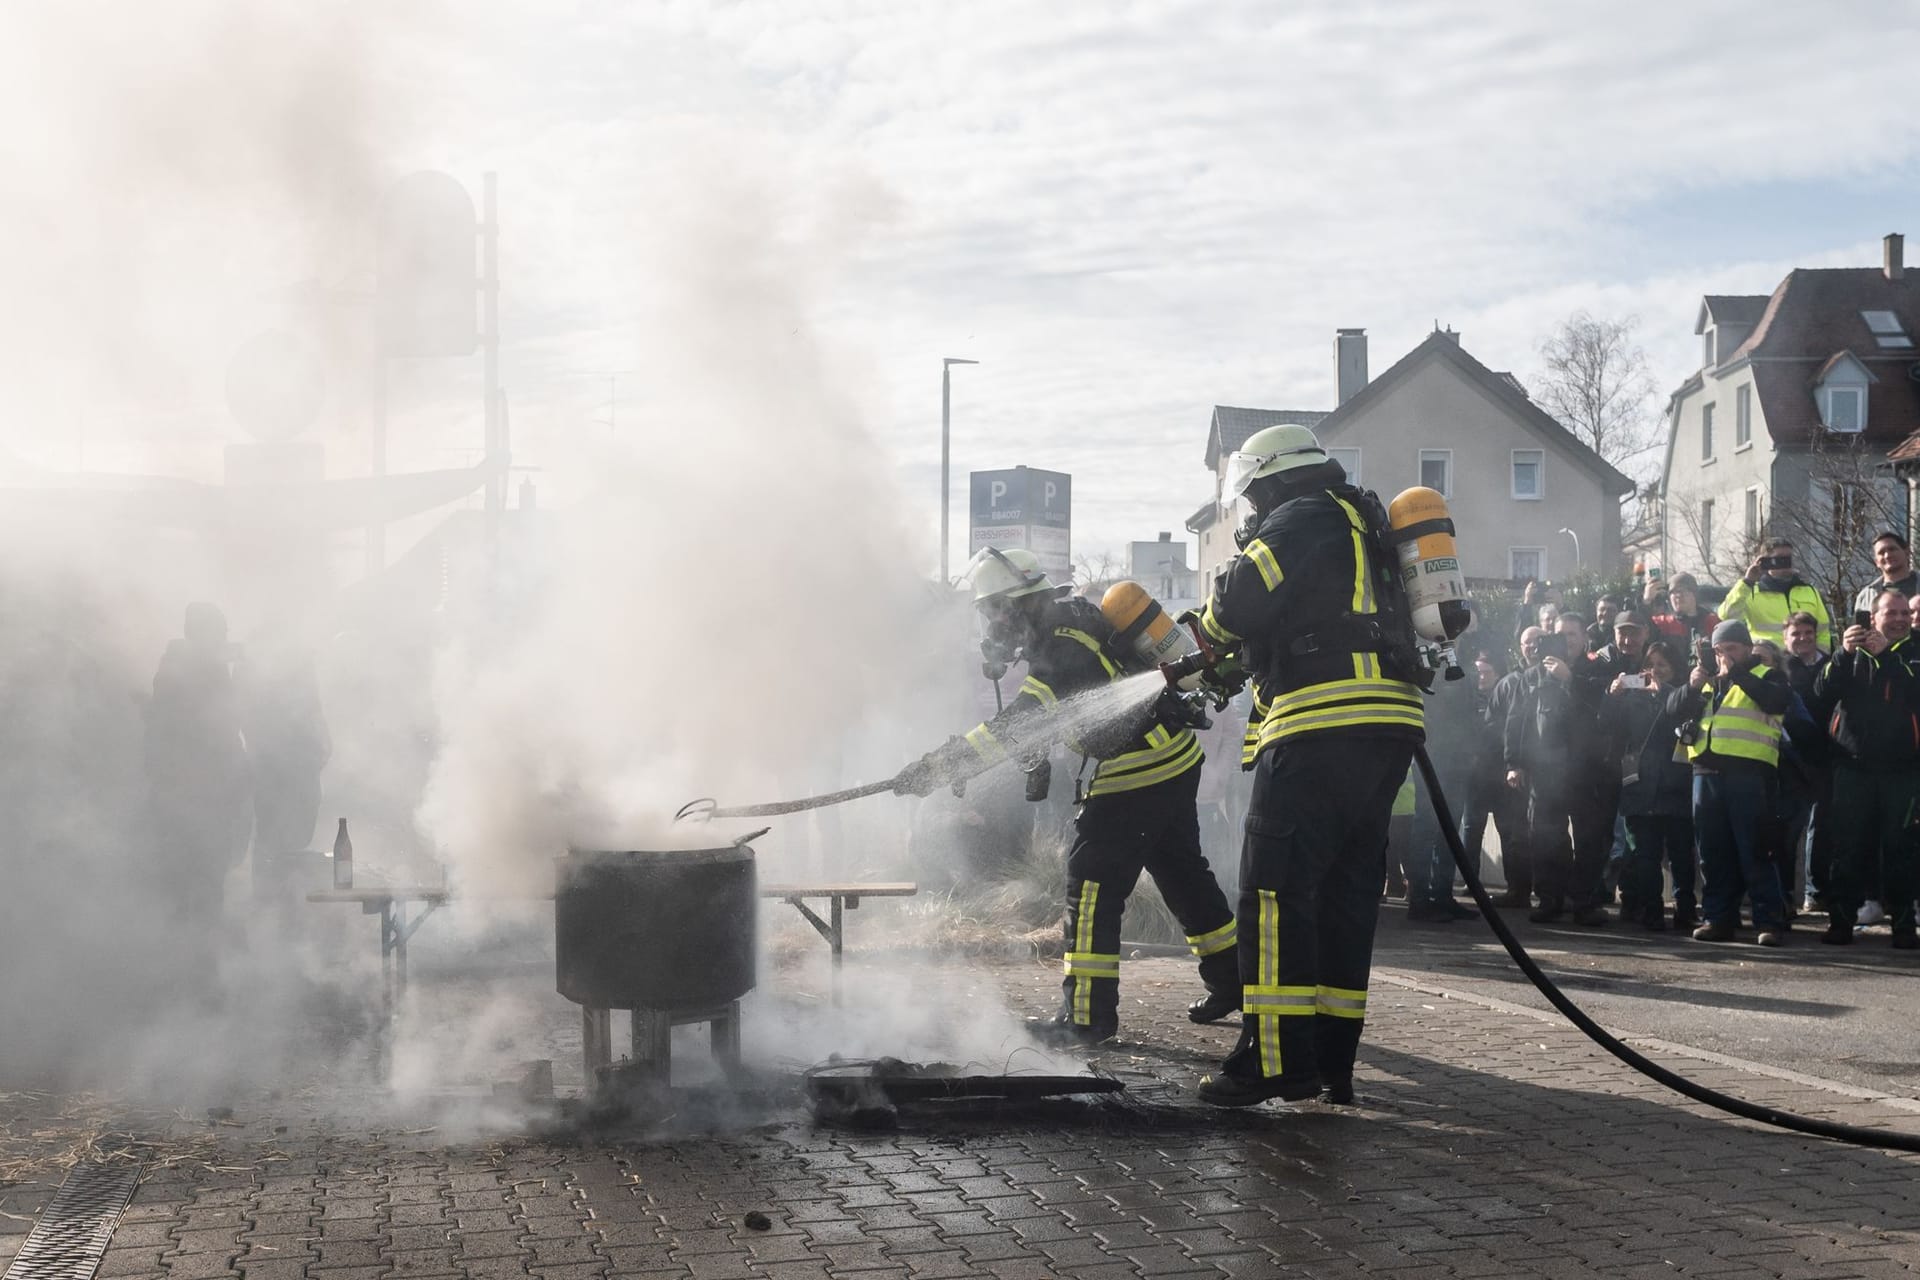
(1844, 409)
(1887, 331)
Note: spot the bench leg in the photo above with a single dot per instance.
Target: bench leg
(723, 1036)
(653, 1045)
(596, 1044)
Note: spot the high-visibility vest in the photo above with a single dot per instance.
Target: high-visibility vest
(1736, 727)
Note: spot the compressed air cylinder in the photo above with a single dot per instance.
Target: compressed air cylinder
(1144, 631)
(1429, 564)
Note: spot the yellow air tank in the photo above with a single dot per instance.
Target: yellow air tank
(1429, 564)
(1144, 632)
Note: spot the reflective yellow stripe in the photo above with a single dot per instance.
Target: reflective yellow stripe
(1250, 741)
(985, 745)
(1083, 944)
(1136, 769)
(1387, 715)
(1040, 690)
(1212, 626)
(1268, 972)
(1314, 695)
(1087, 641)
(1225, 938)
(1263, 559)
(1340, 1002)
(1278, 1002)
(1089, 965)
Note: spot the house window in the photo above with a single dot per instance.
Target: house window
(1743, 417)
(1706, 433)
(1524, 563)
(1846, 408)
(1349, 460)
(1529, 470)
(1753, 516)
(1706, 531)
(1436, 470)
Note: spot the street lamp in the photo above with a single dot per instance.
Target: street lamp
(1577, 561)
(946, 427)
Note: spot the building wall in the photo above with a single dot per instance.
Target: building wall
(1724, 477)
(1435, 407)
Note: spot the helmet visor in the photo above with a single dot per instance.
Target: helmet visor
(1244, 468)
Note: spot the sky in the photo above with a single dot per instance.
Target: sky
(1126, 212)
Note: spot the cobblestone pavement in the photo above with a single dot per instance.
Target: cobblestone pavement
(1489, 1141)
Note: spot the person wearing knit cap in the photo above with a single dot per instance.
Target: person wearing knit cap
(1735, 707)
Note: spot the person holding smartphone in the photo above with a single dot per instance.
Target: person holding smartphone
(1874, 685)
(1655, 791)
(1772, 592)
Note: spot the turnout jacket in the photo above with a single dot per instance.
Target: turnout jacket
(1876, 707)
(1282, 601)
(1068, 657)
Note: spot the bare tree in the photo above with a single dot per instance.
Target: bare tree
(1596, 383)
(1095, 571)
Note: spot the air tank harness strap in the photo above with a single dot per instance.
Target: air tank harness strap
(1349, 633)
(1420, 529)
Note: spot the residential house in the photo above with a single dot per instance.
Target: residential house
(1786, 426)
(1161, 567)
(1529, 499)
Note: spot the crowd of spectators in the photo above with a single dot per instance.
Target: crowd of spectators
(1703, 772)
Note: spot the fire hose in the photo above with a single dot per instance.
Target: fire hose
(1859, 1135)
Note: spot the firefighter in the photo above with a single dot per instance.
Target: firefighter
(1314, 598)
(1139, 812)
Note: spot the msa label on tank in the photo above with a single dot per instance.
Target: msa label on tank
(1446, 565)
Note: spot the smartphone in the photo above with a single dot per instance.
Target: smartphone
(1633, 680)
(1862, 618)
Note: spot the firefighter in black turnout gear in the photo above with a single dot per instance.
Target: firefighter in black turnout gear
(1315, 609)
(1139, 811)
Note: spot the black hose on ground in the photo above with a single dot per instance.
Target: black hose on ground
(1857, 1134)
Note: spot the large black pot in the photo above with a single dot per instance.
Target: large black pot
(675, 929)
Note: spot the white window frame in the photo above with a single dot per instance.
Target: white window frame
(1706, 528)
(1442, 455)
(1540, 475)
(1755, 514)
(1743, 417)
(1353, 472)
(1513, 573)
(1828, 415)
(1706, 433)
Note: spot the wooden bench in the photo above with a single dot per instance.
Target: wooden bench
(841, 898)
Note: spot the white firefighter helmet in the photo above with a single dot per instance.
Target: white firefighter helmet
(1006, 575)
(1268, 452)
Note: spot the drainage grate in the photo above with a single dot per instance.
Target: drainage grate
(72, 1233)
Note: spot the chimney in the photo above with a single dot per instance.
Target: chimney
(1895, 252)
(1350, 361)
(1166, 536)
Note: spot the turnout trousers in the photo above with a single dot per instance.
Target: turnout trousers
(1309, 886)
(1115, 837)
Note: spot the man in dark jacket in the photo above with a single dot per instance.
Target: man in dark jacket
(1875, 688)
(1655, 793)
(1488, 797)
(1544, 742)
(1807, 780)
(1515, 858)
(1736, 707)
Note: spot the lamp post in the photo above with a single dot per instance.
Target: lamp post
(1577, 561)
(946, 429)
